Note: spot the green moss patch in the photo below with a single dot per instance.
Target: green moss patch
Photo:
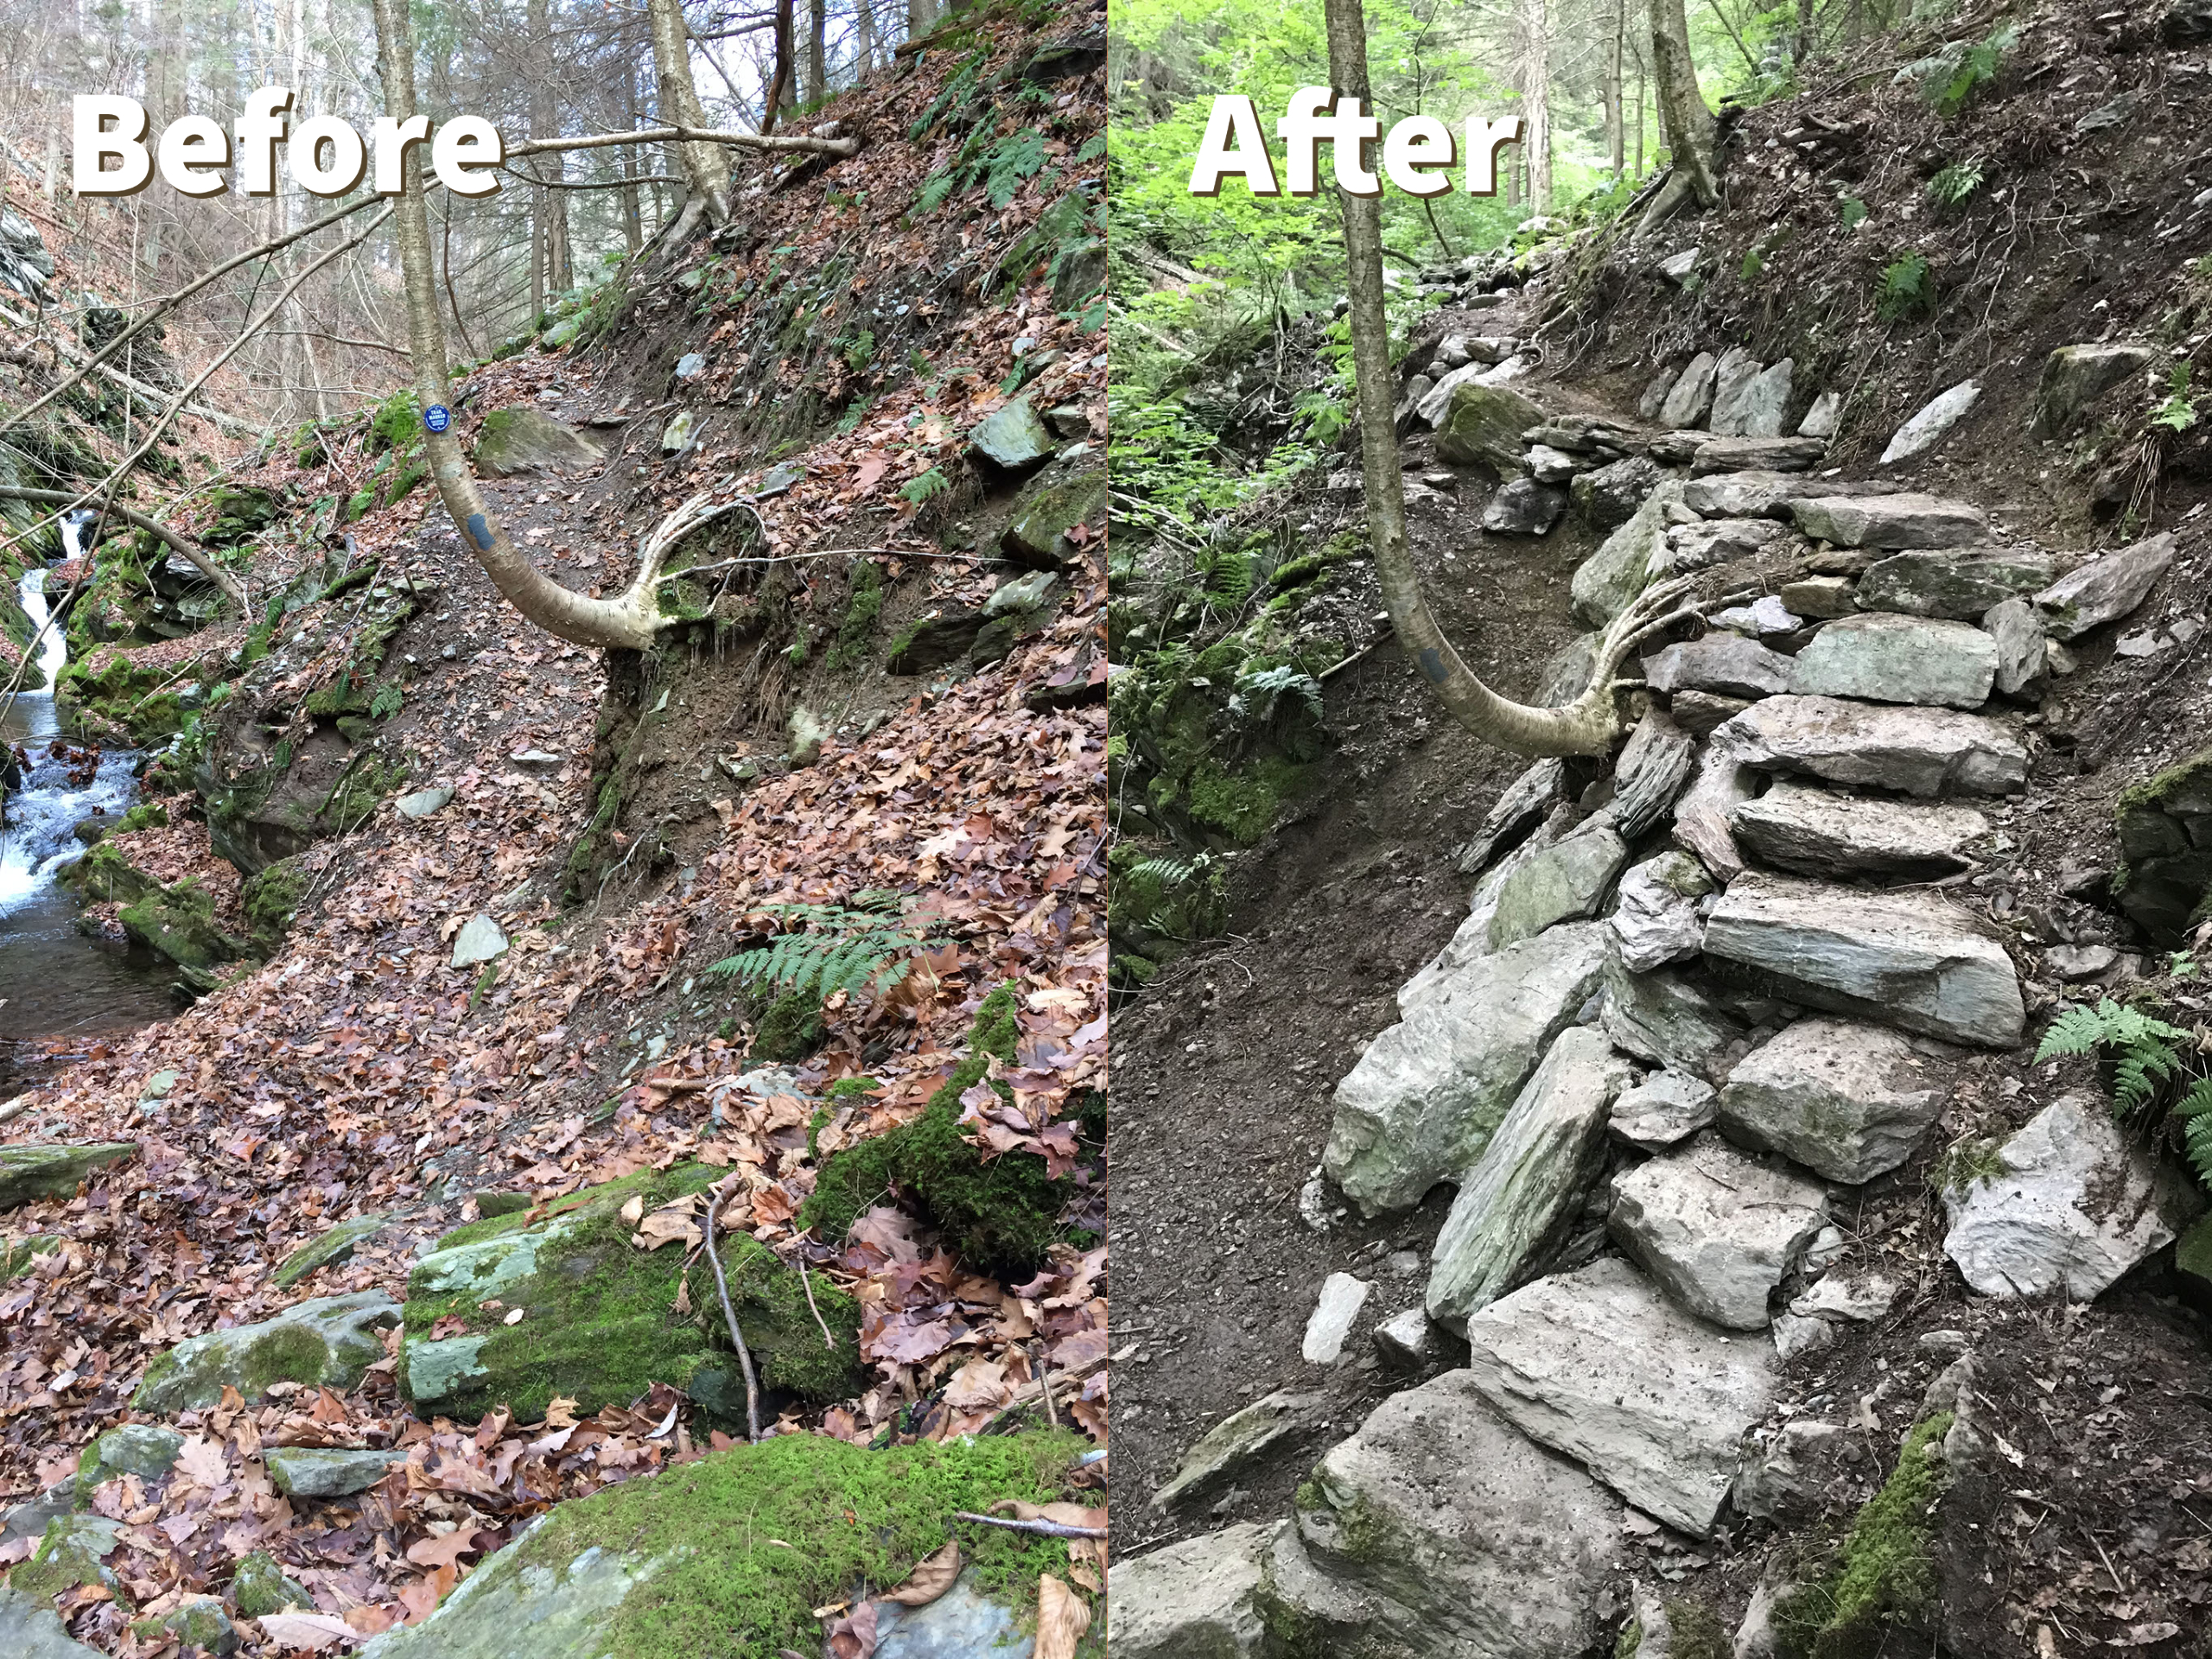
(789, 1030)
(1882, 1577)
(271, 897)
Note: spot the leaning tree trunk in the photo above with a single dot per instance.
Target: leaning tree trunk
(706, 168)
(1592, 723)
(1682, 114)
(631, 621)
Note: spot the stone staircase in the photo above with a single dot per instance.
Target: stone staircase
(1693, 1006)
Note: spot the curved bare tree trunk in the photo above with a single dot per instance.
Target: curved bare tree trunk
(631, 621)
(1592, 723)
(706, 168)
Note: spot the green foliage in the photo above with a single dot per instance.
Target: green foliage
(930, 485)
(387, 702)
(1010, 163)
(1907, 288)
(861, 612)
(2179, 412)
(860, 350)
(1971, 68)
(394, 422)
(823, 949)
(1851, 212)
(2149, 1059)
(1956, 182)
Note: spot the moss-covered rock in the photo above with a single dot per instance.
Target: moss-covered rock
(601, 1322)
(74, 1551)
(260, 1586)
(514, 441)
(179, 921)
(790, 1029)
(1037, 536)
(999, 1214)
(2165, 842)
(18, 1255)
(1483, 425)
(239, 512)
(197, 1625)
(336, 1245)
(104, 874)
(1883, 1581)
(1015, 440)
(660, 1566)
(331, 1342)
(270, 898)
(930, 643)
(28, 1173)
(146, 1450)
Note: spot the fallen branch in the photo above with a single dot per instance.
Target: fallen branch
(778, 141)
(1042, 1528)
(729, 1317)
(214, 573)
(152, 394)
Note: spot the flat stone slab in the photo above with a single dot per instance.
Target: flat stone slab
(1933, 423)
(1420, 1106)
(1663, 1018)
(1848, 1100)
(1334, 1314)
(1653, 1402)
(1910, 958)
(1717, 1228)
(1725, 662)
(1655, 916)
(1666, 1107)
(1518, 1202)
(2066, 1206)
(336, 1245)
(1607, 583)
(1959, 584)
(30, 1629)
(1742, 495)
(1886, 657)
(1233, 1443)
(1925, 752)
(1906, 519)
(331, 1342)
(1496, 1548)
(1538, 884)
(421, 803)
(1191, 1597)
(326, 1470)
(1811, 832)
(480, 939)
(31, 1173)
(1775, 454)
(2105, 590)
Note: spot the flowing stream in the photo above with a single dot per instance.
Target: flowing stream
(54, 981)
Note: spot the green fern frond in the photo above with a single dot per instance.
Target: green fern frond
(820, 950)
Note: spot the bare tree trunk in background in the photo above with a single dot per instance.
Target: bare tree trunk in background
(1616, 132)
(634, 225)
(549, 207)
(1535, 20)
(706, 168)
(1590, 724)
(817, 52)
(779, 84)
(864, 30)
(1683, 116)
(1802, 48)
(921, 16)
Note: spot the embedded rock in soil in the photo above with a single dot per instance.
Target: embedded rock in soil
(1524, 506)
(1482, 426)
(596, 1326)
(2067, 1205)
(1886, 657)
(1732, 376)
(513, 441)
(2074, 377)
(1550, 466)
(30, 1629)
(1607, 583)
(2022, 648)
(1539, 884)
(1420, 1106)
(1524, 804)
(1717, 1228)
(1912, 959)
(1721, 541)
(1811, 832)
(336, 1245)
(1818, 597)
(1516, 1205)
(1655, 915)
(1933, 423)
(1610, 495)
(1691, 396)
(480, 939)
(145, 1450)
(1823, 418)
(1655, 392)
(30, 1173)
(1665, 1020)
(2105, 590)
(1960, 584)
(1757, 456)
(1755, 408)
(1907, 520)
(1191, 1600)
(1014, 439)
(199, 1623)
(1598, 1364)
(1407, 1339)
(261, 1586)
(1234, 1443)
(1666, 1107)
(1925, 752)
(1038, 534)
(73, 1550)
(1441, 1531)
(331, 1342)
(326, 1470)
(1334, 1313)
(1849, 1101)
(1726, 662)
(1699, 712)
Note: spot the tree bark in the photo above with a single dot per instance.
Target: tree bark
(1592, 723)
(779, 84)
(706, 169)
(1537, 99)
(1616, 127)
(817, 52)
(1683, 118)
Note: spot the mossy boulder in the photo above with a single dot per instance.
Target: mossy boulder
(1037, 535)
(790, 1029)
(336, 1245)
(31, 1630)
(200, 1624)
(146, 1450)
(179, 921)
(29, 1173)
(17, 1255)
(271, 898)
(240, 512)
(933, 642)
(2165, 843)
(104, 874)
(74, 1551)
(1482, 427)
(260, 1586)
(331, 1342)
(600, 1321)
(1015, 440)
(515, 441)
(1000, 1214)
(661, 1565)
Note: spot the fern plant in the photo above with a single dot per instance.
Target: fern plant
(388, 701)
(820, 950)
(1956, 182)
(1907, 286)
(2149, 1059)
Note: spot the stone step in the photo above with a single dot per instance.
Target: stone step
(1810, 831)
(1910, 959)
(1961, 583)
(1907, 520)
(1716, 1228)
(1914, 751)
(1884, 656)
(1847, 1100)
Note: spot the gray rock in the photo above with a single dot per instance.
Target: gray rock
(1819, 597)
(1665, 1108)
(2105, 590)
(681, 433)
(1778, 1483)
(1014, 439)
(1524, 803)
(1430, 405)
(1599, 1365)
(1482, 425)
(968, 1619)
(30, 1629)
(1550, 466)
(1718, 1230)
(1933, 423)
(31, 1172)
(690, 365)
(1515, 1205)
(513, 441)
(2079, 961)
(1523, 506)
(2074, 377)
(1811, 832)
(1334, 1314)
(1020, 593)
(1862, 1300)
(1906, 519)
(1823, 418)
(1656, 916)
(1676, 267)
(1722, 783)
(1726, 662)
(260, 1586)
(1566, 671)
(1763, 410)
(423, 803)
(1766, 617)
(1232, 1446)
(1610, 495)
(1654, 765)
(1664, 1018)
(201, 1624)
(1420, 1106)
(1498, 1550)
(515, 1603)
(1732, 455)
(1452, 353)
(480, 939)
(1961, 583)
(1655, 393)
(1719, 541)
(2067, 1205)
(1887, 658)
(1794, 1335)
(1191, 1600)
(1691, 397)
(1700, 712)
(331, 1342)
(1925, 752)
(1407, 1339)
(145, 1450)
(1910, 958)
(1731, 377)
(1607, 583)
(1742, 495)
(337, 1244)
(326, 1472)
(1541, 883)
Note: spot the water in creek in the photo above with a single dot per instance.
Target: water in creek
(55, 981)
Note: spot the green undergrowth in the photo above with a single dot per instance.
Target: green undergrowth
(1881, 1579)
(751, 1539)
